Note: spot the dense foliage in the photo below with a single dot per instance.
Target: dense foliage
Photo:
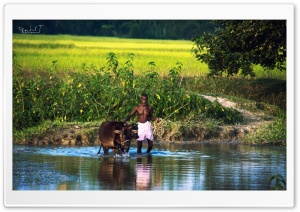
(107, 93)
(238, 45)
(149, 29)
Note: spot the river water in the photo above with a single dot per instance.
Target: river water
(197, 166)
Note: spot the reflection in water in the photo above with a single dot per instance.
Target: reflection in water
(143, 173)
(115, 174)
(202, 166)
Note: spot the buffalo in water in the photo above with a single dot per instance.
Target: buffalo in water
(116, 135)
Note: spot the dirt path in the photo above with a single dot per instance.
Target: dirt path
(251, 120)
(172, 131)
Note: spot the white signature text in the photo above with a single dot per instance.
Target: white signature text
(32, 30)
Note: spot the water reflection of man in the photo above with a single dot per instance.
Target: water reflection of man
(143, 173)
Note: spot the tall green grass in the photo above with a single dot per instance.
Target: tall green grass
(70, 52)
(37, 52)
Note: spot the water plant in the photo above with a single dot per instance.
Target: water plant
(279, 184)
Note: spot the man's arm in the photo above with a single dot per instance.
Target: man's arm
(131, 114)
(152, 118)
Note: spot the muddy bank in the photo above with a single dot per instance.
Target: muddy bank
(72, 136)
(67, 135)
(78, 135)
(167, 132)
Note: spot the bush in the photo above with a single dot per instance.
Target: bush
(108, 93)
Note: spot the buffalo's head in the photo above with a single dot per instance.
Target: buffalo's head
(130, 132)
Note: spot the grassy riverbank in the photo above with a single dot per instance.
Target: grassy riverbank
(65, 81)
(266, 125)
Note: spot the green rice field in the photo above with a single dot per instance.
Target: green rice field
(36, 52)
(71, 53)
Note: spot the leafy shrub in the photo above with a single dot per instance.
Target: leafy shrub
(108, 93)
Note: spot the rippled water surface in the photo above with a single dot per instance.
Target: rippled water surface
(202, 166)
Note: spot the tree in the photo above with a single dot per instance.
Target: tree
(238, 45)
(135, 31)
(145, 29)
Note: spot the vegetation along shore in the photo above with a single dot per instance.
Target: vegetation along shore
(65, 86)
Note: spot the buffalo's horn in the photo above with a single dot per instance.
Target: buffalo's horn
(118, 131)
(134, 131)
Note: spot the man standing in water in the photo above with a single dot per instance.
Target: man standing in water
(145, 115)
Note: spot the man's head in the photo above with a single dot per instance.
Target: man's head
(144, 98)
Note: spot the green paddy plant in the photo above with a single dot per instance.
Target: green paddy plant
(35, 53)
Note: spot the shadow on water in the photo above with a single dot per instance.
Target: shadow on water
(202, 166)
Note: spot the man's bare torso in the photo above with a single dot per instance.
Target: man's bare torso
(144, 112)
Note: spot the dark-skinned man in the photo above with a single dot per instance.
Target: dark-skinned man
(145, 131)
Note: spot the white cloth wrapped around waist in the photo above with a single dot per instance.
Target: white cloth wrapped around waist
(145, 131)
